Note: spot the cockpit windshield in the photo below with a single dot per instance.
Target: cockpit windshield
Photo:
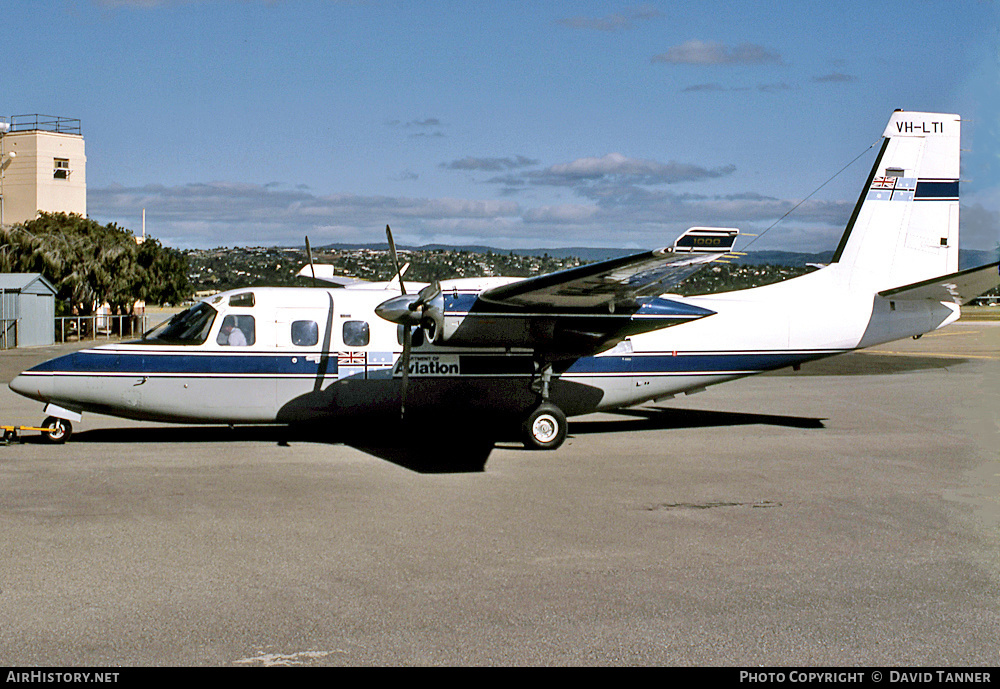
(186, 328)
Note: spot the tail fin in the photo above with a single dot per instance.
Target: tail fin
(904, 228)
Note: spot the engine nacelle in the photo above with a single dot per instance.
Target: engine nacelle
(464, 320)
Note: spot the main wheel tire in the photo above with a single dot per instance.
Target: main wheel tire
(545, 428)
(59, 430)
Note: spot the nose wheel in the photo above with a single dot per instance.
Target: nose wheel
(545, 427)
(57, 431)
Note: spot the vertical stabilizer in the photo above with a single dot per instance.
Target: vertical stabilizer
(905, 226)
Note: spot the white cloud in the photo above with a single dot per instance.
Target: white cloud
(834, 78)
(490, 164)
(617, 214)
(620, 168)
(562, 213)
(224, 213)
(613, 22)
(705, 88)
(697, 52)
(428, 127)
(980, 227)
(776, 88)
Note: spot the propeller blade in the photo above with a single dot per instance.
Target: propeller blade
(397, 310)
(426, 296)
(395, 259)
(312, 265)
(405, 383)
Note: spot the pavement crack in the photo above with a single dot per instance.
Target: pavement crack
(711, 504)
(285, 659)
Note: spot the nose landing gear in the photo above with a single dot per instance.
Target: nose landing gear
(53, 430)
(57, 431)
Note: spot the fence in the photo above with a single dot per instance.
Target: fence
(80, 328)
(77, 328)
(8, 333)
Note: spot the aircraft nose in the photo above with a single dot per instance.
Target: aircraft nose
(34, 387)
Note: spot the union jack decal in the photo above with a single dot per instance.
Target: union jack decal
(350, 358)
(883, 183)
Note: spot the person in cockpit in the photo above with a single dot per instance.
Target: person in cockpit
(230, 335)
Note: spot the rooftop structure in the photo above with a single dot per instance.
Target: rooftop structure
(42, 167)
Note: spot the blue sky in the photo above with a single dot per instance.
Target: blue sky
(514, 124)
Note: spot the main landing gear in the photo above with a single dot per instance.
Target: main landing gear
(545, 427)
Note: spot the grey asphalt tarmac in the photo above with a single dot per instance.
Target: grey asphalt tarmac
(844, 514)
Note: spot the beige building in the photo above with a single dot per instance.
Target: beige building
(42, 167)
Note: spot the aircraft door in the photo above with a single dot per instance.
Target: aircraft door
(304, 341)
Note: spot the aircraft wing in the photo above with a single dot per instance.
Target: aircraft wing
(618, 279)
(959, 288)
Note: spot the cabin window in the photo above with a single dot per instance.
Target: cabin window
(245, 299)
(356, 333)
(189, 327)
(237, 331)
(305, 333)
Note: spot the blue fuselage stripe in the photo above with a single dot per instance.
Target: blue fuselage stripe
(471, 364)
(685, 363)
(936, 190)
(142, 364)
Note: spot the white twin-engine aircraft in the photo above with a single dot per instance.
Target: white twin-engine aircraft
(530, 352)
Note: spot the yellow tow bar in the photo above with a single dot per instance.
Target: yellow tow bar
(12, 434)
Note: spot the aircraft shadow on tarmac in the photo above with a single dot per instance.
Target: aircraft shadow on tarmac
(652, 419)
(462, 453)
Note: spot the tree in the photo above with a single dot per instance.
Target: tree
(91, 264)
(164, 274)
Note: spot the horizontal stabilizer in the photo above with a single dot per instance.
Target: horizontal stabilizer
(706, 240)
(958, 288)
(324, 272)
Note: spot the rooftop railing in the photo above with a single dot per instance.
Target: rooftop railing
(43, 123)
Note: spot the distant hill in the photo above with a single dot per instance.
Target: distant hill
(967, 258)
(585, 253)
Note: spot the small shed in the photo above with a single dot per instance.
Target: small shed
(27, 310)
